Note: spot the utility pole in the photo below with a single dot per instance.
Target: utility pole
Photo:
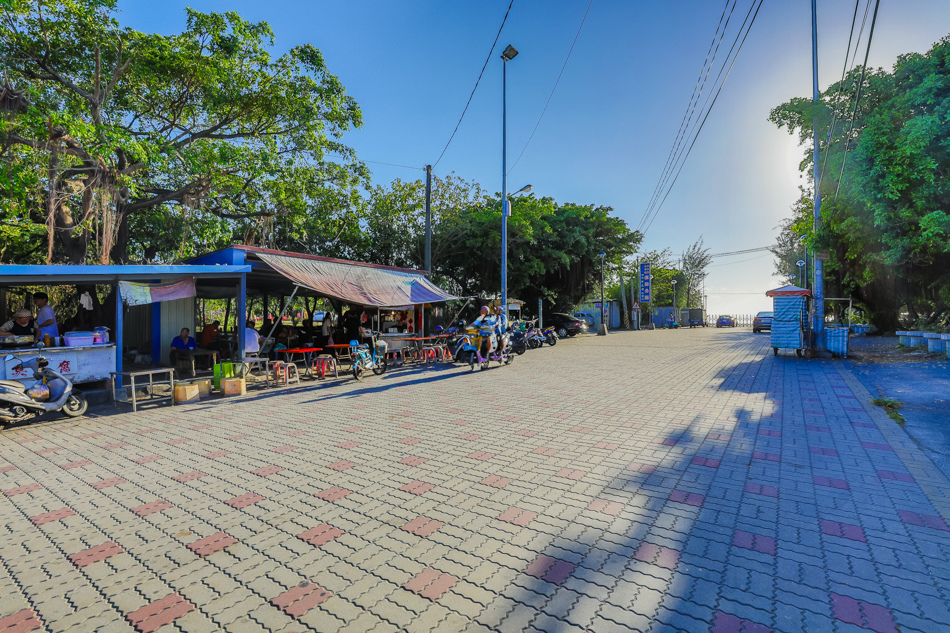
(819, 283)
(429, 219)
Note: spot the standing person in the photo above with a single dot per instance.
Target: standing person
(209, 335)
(45, 318)
(326, 329)
(22, 324)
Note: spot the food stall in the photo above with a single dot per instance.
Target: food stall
(790, 320)
(91, 356)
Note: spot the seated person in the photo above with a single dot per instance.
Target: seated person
(22, 324)
(209, 335)
(252, 340)
(182, 342)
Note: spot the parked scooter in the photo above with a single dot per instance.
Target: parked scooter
(365, 358)
(52, 392)
(534, 337)
(550, 335)
(518, 342)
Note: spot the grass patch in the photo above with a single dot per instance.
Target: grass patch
(891, 407)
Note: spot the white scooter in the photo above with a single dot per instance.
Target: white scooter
(52, 392)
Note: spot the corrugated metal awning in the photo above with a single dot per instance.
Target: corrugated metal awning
(788, 291)
(355, 284)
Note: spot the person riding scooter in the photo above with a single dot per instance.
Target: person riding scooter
(486, 320)
(501, 326)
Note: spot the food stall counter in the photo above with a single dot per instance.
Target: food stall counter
(88, 363)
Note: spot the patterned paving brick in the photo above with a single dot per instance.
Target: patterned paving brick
(266, 471)
(286, 448)
(21, 622)
(469, 437)
(50, 517)
(185, 477)
(348, 445)
(320, 535)
(211, 544)
(417, 487)
(341, 465)
(77, 464)
(646, 469)
(761, 489)
(481, 456)
(107, 483)
(431, 583)
(828, 482)
(298, 601)
(245, 500)
(413, 460)
(772, 457)
(95, 554)
(159, 505)
(423, 526)
(517, 516)
(727, 623)
(755, 542)
(217, 454)
(526, 433)
(887, 474)
(159, 613)
(334, 493)
(689, 498)
(605, 507)
(708, 462)
(923, 520)
(570, 473)
(863, 614)
(495, 481)
(550, 569)
(22, 490)
(148, 459)
(844, 530)
(657, 555)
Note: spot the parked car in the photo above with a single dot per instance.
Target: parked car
(762, 321)
(565, 324)
(586, 317)
(725, 321)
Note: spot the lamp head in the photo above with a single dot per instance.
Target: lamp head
(509, 53)
(800, 262)
(792, 277)
(525, 189)
(602, 254)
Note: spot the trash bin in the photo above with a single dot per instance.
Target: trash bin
(836, 341)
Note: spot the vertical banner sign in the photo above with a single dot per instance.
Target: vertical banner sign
(645, 283)
(540, 310)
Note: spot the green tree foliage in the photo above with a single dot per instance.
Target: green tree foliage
(887, 227)
(130, 144)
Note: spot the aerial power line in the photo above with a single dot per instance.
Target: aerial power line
(488, 59)
(748, 250)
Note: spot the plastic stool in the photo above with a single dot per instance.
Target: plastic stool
(285, 372)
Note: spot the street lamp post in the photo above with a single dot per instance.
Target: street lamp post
(676, 317)
(507, 55)
(792, 277)
(800, 263)
(602, 328)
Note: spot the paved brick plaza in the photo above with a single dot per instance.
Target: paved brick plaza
(647, 481)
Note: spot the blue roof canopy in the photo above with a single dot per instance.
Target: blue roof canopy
(72, 274)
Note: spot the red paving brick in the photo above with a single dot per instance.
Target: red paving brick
(607, 446)
(299, 600)
(526, 433)
(605, 507)
(431, 583)
(923, 520)
(158, 505)
(148, 459)
(286, 448)
(7, 468)
(217, 454)
(887, 474)
(818, 450)
(657, 555)
(772, 457)
(245, 500)
(21, 622)
(107, 483)
(495, 481)
(266, 471)
(342, 465)
(333, 494)
(321, 534)
(844, 530)
(517, 516)
(838, 484)
(95, 554)
(49, 517)
(761, 489)
(195, 474)
(570, 473)
(417, 487)
(544, 450)
(470, 437)
(727, 623)
(646, 469)
(689, 498)
(111, 447)
(422, 526)
(413, 460)
(159, 613)
(550, 569)
(863, 614)
(705, 461)
(410, 440)
(481, 456)
(755, 542)
(54, 449)
(22, 490)
(178, 440)
(211, 544)
(348, 445)
(78, 464)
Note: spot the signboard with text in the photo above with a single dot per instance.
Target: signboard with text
(646, 279)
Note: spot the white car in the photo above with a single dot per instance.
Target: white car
(587, 317)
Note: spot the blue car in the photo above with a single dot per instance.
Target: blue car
(725, 321)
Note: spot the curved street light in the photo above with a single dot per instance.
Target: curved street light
(507, 55)
(602, 328)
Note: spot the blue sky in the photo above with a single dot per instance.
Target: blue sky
(609, 127)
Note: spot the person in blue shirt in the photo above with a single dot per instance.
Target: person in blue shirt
(182, 342)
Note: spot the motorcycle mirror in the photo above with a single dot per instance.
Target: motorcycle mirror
(40, 345)
(9, 357)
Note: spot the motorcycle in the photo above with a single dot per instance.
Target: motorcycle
(550, 336)
(477, 345)
(534, 337)
(52, 392)
(365, 358)
(518, 343)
